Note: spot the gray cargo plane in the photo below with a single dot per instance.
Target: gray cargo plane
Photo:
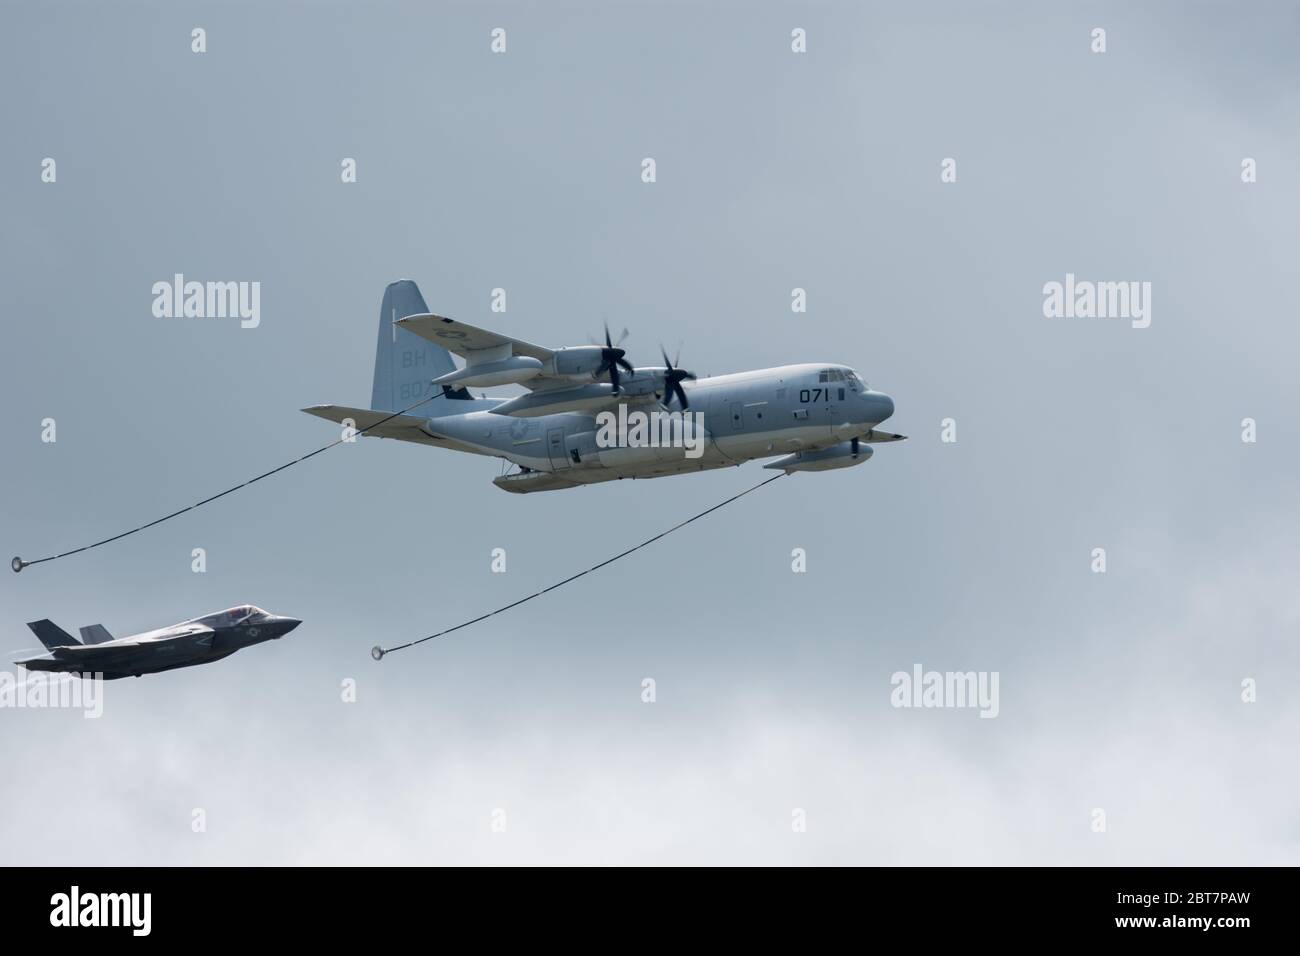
(199, 641)
(811, 417)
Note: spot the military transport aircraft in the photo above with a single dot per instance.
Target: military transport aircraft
(811, 417)
(199, 641)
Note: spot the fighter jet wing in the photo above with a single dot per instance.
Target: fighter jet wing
(472, 344)
(122, 652)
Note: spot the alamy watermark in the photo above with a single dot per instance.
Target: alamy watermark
(52, 690)
(1085, 299)
(208, 300)
(653, 429)
(952, 689)
(132, 911)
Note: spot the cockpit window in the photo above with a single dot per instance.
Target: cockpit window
(232, 616)
(831, 375)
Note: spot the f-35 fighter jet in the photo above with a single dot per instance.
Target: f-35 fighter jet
(198, 641)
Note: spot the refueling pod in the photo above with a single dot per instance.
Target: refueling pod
(844, 455)
(506, 371)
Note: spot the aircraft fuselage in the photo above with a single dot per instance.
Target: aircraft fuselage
(745, 416)
(198, 641)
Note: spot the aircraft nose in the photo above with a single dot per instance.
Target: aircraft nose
(287, 624)
(882, 406)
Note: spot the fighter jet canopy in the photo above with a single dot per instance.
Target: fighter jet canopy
(232, 616)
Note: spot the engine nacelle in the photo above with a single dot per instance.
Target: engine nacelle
(824, 459)
(578, 361)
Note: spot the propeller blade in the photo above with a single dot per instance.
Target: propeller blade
(627, 366)
(681, 395)
(613, 376)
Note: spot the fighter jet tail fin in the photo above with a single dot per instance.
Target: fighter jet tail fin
(52, 636)
(405, 364)
(95, 634)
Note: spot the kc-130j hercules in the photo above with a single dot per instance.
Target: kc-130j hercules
(814, 416)
(198, 641)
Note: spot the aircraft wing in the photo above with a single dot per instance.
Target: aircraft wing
(879, 436)
(123, 652)
(465, 339)
(474, 345)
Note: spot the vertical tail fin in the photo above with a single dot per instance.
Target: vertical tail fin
(52, 636)
(405, 364)
(95, 634)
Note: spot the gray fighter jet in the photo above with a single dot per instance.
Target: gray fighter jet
(198, 641)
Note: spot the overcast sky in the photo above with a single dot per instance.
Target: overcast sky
(1119, 691)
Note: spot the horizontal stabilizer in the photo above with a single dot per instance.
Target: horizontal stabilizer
(407, 427)
(52, 636)
(95, 634)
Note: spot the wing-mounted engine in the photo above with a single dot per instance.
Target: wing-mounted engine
(600, 363)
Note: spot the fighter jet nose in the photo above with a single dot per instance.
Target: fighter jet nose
(287, 624)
